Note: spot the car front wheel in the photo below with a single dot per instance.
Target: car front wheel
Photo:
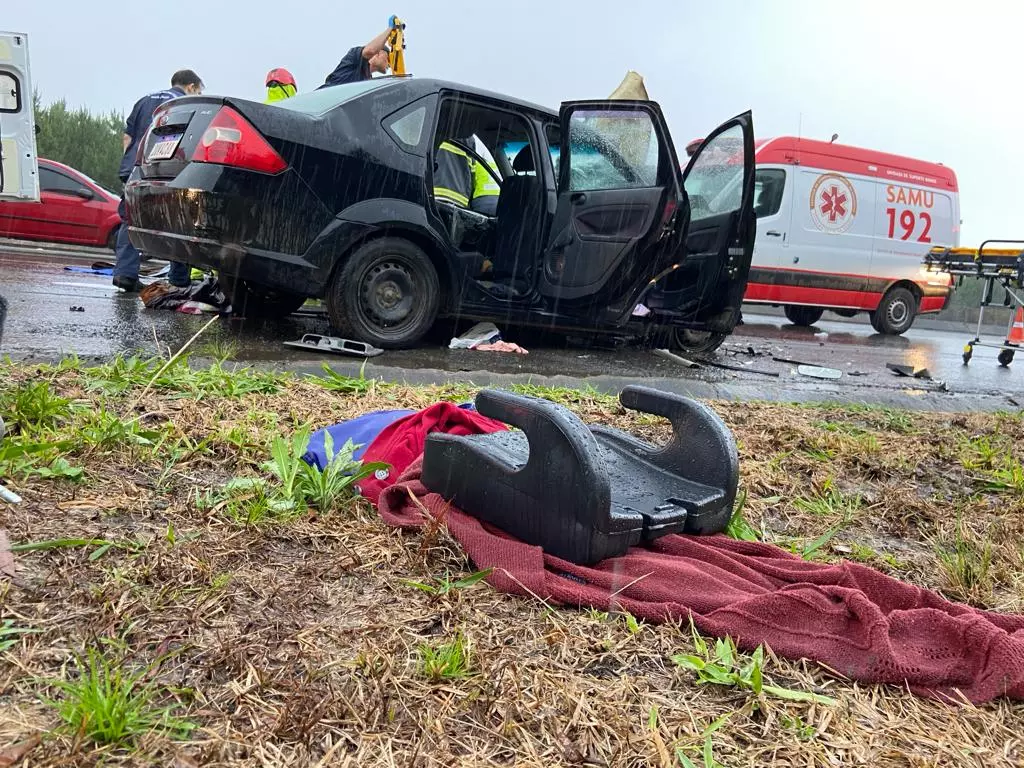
(697, 342)
(896, 313)
(386, 294)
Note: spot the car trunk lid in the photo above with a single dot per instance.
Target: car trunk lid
(177, 128)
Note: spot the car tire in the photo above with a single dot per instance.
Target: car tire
(255, 302)
(805, 316)
(386, 293)
(696, 342)
(895, 314)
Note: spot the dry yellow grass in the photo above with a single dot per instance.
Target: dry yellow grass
(299, 643)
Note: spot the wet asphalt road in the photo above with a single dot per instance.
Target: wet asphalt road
(41, 327)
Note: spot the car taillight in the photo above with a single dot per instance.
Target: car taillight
(230, 139)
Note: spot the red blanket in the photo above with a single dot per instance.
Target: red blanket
(849, 617)
(401, 443)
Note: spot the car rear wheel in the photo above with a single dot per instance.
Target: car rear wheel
(697, 342)
(386, 294)
(805, 316)
(257, 302)
(896, 313)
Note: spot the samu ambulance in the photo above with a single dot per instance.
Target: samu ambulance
(19, 177)
(846, 229)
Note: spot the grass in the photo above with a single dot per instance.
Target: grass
(106, 705)
(446, 661)
(722, 664)
(305, 631)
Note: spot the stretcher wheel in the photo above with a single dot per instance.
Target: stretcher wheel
(1005, 357)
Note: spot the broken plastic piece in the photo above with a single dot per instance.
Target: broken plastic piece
(900, 370)
(586, 494)
(818, 372)
(317, 343)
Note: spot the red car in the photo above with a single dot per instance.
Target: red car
(72, 209)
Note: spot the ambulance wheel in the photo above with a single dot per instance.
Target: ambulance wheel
(1005, 358)
(805, 316)
(386, 294)
(696, 342)
(896, 313)
(257, 302)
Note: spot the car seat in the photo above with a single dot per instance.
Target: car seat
(519, 219)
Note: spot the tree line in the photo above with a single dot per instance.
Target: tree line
(88, 142)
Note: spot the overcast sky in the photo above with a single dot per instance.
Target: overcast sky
(934, 80)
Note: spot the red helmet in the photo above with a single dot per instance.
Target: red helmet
(281, 76)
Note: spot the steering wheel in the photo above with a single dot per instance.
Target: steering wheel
(473, 153)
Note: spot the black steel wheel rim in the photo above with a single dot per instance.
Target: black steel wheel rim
(388, 301)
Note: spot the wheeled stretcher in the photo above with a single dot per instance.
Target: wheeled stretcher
(996, 262)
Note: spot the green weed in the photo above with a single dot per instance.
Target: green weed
(446, 585)
(349, 385)
(10, 635)
(32, 407)
(967, 565)
(725, 665)
(324, 489)
(738, 527)
(448, 661)
(831, 502)
(108, 706)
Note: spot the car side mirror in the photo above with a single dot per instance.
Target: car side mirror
(85, 193)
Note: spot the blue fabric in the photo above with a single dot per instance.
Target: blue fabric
(361, 430)
(351, 69)
(138, 123)
(90, 270)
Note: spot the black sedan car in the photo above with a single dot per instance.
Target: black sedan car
(337, 194)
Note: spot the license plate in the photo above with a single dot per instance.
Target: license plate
(164, 149)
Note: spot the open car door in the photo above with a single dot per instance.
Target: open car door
(18, 177)
(704, 290)
(618, 222)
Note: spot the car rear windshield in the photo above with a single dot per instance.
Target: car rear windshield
(324, 100)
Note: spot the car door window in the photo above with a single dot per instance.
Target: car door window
(612, 149)
(10, 93)
(714, 183)
(51, 181)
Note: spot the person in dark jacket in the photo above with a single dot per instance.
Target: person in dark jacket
(362, 61)
(185, 82)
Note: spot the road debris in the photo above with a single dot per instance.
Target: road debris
(6, 494)
(205, 295)
(908, 371)
(485, 337)
(335, 344)
(676, 358)
(740, 368)
(817, 372)
(75, 308)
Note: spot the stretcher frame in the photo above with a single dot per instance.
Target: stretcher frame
(996, 266)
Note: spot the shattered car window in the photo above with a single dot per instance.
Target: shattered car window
(612, 149)
(323, 100)
(714, 183)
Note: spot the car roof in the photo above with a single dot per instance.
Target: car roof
(430, 84)
(59, 166)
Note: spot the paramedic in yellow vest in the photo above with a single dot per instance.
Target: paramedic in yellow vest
(485, 189)
(280, 85)
(460, 179)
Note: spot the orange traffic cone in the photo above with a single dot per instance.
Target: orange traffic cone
(1016, 335)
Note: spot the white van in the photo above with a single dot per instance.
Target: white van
(19, 178)
(846, 229)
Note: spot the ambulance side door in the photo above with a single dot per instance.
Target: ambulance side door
(19, 179)
(773, 207)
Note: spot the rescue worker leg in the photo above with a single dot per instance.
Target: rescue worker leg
(180, 275)
(126, 262)
(485, 190)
